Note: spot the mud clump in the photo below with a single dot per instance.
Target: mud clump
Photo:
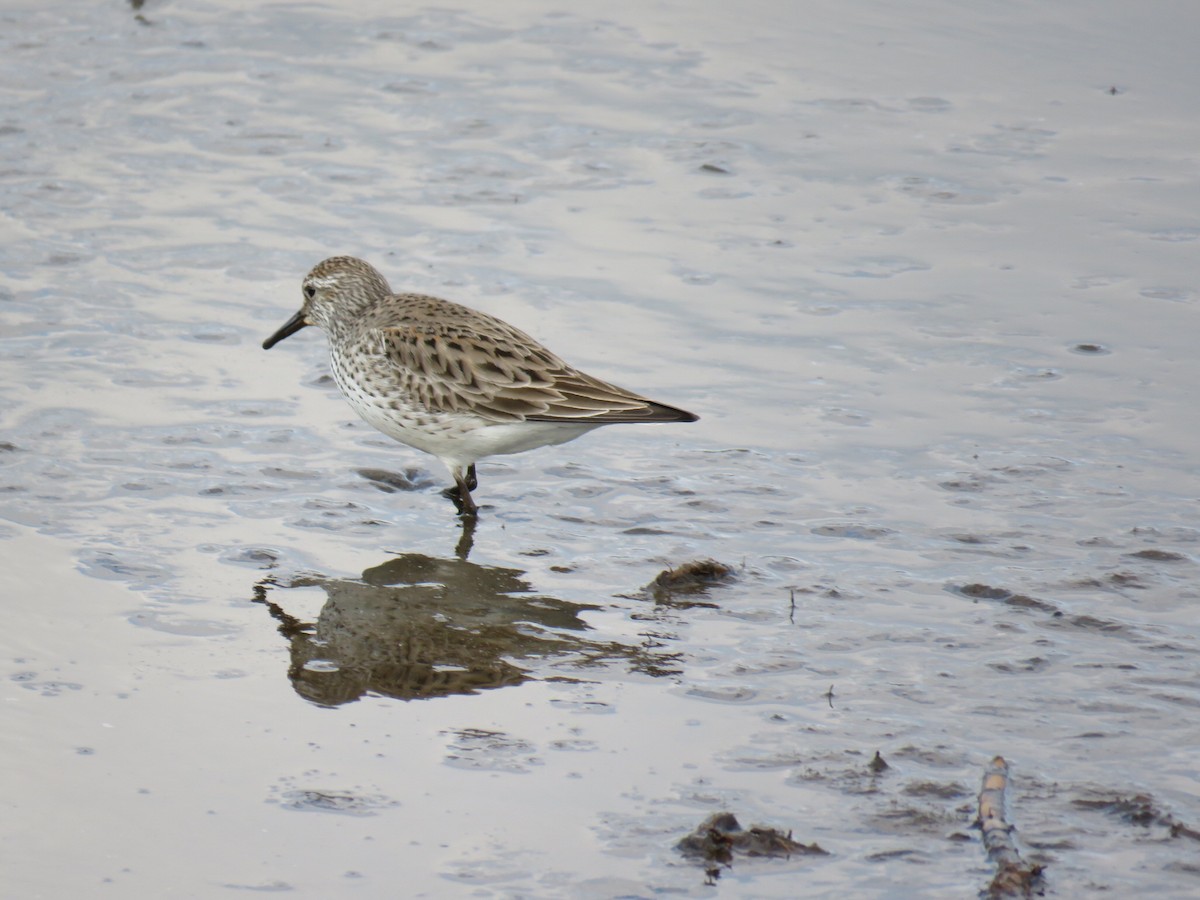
(720, 837)
(694, 577)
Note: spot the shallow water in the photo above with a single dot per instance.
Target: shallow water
(927, 276)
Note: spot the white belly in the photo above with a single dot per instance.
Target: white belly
(458, 439)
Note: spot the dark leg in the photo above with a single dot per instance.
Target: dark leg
(466, 503)
(464, 482)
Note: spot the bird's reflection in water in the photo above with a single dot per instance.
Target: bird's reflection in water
(418, 627)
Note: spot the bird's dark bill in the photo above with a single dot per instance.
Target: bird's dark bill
(290, 327)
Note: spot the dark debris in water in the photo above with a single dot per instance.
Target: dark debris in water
(1137, 809)
(342, 802)
(1159, 555)
(720, 838)
(853, 530)
(1009, 598)
(1024, 601)
(257, 557)
(691, 578)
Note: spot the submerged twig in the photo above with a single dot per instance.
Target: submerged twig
(1014, 877)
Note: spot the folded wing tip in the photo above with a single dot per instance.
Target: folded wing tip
(661, 412)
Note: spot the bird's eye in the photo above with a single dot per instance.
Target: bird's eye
(310, 291)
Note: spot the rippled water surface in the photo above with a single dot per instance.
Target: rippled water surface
(929, 276)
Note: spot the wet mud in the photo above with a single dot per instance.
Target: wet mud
(928, 280)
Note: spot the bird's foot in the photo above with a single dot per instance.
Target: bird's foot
(460, 495)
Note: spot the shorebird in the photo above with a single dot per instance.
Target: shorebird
(450, 380)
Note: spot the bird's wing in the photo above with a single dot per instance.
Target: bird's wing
(495, 371)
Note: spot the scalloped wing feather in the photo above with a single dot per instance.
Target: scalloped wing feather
(486, 367)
